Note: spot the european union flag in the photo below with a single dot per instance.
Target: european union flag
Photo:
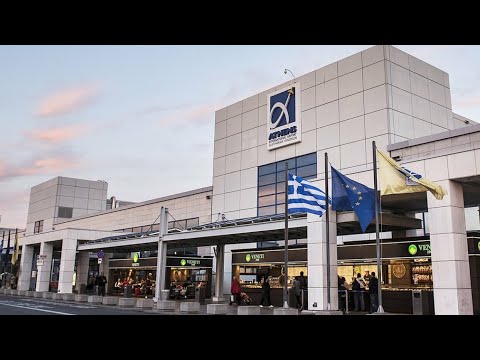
(348, 195)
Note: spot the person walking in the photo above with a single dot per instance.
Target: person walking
(373, 290)
(235, 289)
(102, 282)
(265, 292)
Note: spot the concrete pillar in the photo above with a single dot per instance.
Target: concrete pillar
(219, 264)
(82, 269)
(67, 266)
(105, 268)
(43, 271)
(448, 240)
(317, 262)
(227, 269)
(162, 254)
(25, 268)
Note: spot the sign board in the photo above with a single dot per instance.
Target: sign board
(39, 262)
(41, 257)
(100, 254)
(99, 260)
(283, 117)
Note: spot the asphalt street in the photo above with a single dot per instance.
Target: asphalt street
(15, 305)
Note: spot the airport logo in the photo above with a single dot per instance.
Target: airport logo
(283, 117)
(183, 262)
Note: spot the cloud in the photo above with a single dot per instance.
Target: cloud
(59, 134)
(66, 101)
(197, 115)
(40, 166)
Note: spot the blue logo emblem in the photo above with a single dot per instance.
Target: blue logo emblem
(282, 108)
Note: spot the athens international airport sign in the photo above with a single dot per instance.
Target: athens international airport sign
(284, 126)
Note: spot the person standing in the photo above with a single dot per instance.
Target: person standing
(297, 291)
(358, 287)
(235, 289)
(265, 292)
(303, 287)
(102, 282)
(373, 290)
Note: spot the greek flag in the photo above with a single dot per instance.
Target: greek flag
(304, 197)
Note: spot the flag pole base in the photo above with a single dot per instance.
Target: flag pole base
(380, 309)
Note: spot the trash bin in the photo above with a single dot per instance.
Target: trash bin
(200, 294)
(127, 292)
(83, 288)
(417, 302)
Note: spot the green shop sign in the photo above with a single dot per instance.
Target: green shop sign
(254, 257)
(420, 249)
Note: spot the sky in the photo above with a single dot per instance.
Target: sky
(142, 117)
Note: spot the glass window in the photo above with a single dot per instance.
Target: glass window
(266, 179)
(266, 200)
(281, 209)
(266, 169)
(307, 171)
(269, 210)
(307, 160)
(266, 190)
(272, 181)
(280, 176)
(38, 227)
(281, 164)
(65, 212)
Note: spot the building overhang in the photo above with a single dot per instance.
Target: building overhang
(242, 232)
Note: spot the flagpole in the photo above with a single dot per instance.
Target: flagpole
(379, 264)
(285, 275)
(327, 219)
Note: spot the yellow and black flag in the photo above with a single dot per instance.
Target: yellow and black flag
(395, 179)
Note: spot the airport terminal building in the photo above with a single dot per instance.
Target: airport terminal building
(236, 226)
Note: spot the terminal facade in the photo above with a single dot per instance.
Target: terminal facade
(235, 227)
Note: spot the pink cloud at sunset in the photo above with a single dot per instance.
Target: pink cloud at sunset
(57, 134)
(44, 166)
(66, 101)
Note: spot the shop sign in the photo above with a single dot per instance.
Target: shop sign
(269, 256)
(283, 117)
(191, 262)
(419, 249)
(135, 259)
(254, 257)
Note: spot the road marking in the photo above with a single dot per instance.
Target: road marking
(31, 308)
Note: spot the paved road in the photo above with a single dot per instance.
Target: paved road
(16, 305)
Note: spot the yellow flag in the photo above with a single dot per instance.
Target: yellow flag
(15, 252)
(395, 179)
